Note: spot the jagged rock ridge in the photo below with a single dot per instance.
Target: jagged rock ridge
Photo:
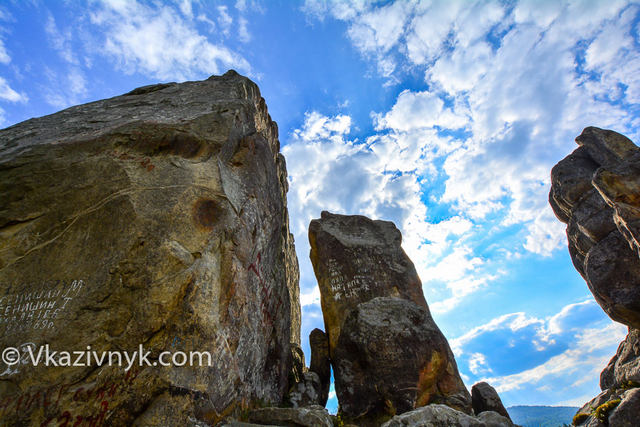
(158, 218)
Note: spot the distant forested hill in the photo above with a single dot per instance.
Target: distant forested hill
(542, 416)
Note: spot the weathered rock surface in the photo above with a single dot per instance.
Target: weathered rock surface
(624, 368)
(306, 392)
(596, 191)
(320, 362)
(356, 259)
(485, 398)
(311, 416)
(626, 413)
(391, 358)
(157, 218)
(617, 408)
(387, 353)
(444, 416)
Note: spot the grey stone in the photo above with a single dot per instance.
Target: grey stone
(624, 368)
(627, 412)
(485, 398)
(387, 352)
(155, 218)
(443, 416)
(306, 392)
(392, 357)
(494, 419)
(571, 179)
(320, 362)
(312, 416)
(613, 276)
(596, 191)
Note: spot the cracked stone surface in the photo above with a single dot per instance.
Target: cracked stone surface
(157, 218)
(388, 354)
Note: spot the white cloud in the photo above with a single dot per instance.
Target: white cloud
(224, 19)
(211, 26)
(4, 55)
(512, 80)
(158, 42)
(310, 297)
(60, 41)
(381, 28)
(243, 30)
(478, 364)
(539, 12)
(186, 8)
(415, 110)
(564, 351)
(461, 69)
(511, 321)
(9, 94)
(65, 89)
(582, 358)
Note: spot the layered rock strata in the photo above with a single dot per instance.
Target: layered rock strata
(387, 353)
(157, 218)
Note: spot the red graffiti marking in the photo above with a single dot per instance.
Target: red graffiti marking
(266, 293)
(256, 268)
(91, 393)
(93, 420)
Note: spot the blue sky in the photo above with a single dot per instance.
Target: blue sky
(445, 117)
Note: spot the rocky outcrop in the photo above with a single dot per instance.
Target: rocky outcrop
(485, 398)
(596, 192)
(320, 362)
(387, 353)
(444, 416)
(312, 416)
(624, 368)
(156, 218)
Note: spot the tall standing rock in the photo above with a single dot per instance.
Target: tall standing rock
(156, 218)
(387, 353)
(320, 362)
(596, 192)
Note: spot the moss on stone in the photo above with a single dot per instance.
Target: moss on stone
(602, 411)
(579, 418)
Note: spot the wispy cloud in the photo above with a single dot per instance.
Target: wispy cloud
(505, 91)
(9, 94)
(563, 352)
(160, 41)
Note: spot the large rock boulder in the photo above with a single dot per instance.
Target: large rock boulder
(595, 191)
(356, 259)
(311, 416)
(156, 218)
(387, 352)
(444, 416)
(485, 398)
